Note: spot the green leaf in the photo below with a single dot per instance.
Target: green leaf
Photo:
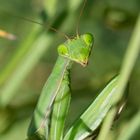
(130, 58)
(94, 115)
(27, 63)
(132, 127)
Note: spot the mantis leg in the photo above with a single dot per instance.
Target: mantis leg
(60, 109)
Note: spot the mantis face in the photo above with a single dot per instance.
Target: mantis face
(77, 49)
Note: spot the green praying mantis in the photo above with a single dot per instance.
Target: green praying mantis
(56, 94)
(50, 113)
(58, 85)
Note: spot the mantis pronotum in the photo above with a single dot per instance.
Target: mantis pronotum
(57, 87)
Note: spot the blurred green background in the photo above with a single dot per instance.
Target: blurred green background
(21, 80)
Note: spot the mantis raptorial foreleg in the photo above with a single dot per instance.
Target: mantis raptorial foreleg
(75, 50)
(60, 109)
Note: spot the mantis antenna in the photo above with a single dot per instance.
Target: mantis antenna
(42, 24)
(78, 21)
(49, 27)
(52, 28)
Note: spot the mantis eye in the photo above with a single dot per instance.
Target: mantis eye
(88, 38)
(62, 49)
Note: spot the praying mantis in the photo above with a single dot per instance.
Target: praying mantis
(56, 94)
(58, 84)
(49, 116)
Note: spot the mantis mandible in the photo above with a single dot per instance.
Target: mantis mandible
(76, 50)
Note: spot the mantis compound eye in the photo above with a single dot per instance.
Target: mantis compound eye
(62, 49)
(88, 38)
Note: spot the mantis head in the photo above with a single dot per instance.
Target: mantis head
(77, 49)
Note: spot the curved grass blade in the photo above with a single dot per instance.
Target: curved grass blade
(132, 127)
(27, 63)
(94, 115)
(19, 54)
(130, 58)
(128, 63)
(106, 124)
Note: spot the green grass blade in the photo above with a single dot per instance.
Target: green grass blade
(49, 6)
(94, 115)
(27, 63)
(106, 125)
(129, 59)
(26, 44)
(128, 64)
(133, 126)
